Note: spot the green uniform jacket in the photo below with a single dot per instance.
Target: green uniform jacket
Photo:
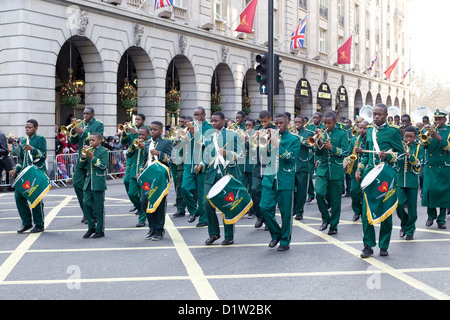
(83, 139)
(304, 155)
(436, 173)
(233, 149)
(255, 155)
(39, 153)
(163, 146)
(331, 161)
(137, 157)
(388, 137)
(408, 173)
(191, 146)
(96, 170)
(128, 140)
(286, 154)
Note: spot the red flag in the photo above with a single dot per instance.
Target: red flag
(345, 52)
(390, 69)
(247, 17)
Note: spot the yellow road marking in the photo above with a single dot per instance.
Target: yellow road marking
(15, 257)
(195, 272)
(378, 264)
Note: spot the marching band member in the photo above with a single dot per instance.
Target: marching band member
(161, 149)
(95, 162)
(257, 157)
(317, 124)
(356, 145)
(127, 137)
(80, 136)
(135, 158)
(193, 182)
(176, 169)
(329, 173)
(381, 137)
(302, 168)
(32, 151)
(219, 161)
(435, 192)
(240, 120)
(278, 183)
(408, 168)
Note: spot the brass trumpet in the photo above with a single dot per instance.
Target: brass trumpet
(124, 128)
(424, 138)
(266, 137)
(66, 129)
(317, 139)
(137, 142)
(85, 150)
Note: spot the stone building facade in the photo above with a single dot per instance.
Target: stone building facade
(193, 47)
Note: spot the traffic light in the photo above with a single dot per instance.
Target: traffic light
(262, 70)
(277, 74)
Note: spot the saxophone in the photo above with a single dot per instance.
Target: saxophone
(352, 158)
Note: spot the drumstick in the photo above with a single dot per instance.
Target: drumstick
(213, 160)
(373, 151)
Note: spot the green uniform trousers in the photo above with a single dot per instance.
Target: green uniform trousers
(369, 231)
(246, 179)
(270, 197)
(211, 215)
(194, 196)
(407, 219)
(301, 188)
(177, 178)
(356, 196)
(157, 219)
(126, 180)
(94, 203)
(26, 214)
(256, 195)
(432, 214)
(134, 193)
(79, 175)
(333, 188)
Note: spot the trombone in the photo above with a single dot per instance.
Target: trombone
(317, 139)
(67, 129)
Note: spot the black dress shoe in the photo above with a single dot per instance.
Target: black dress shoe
(366, 252)
(309, 199)
(409, 237)
(324, 226)
(210, 240)
(259, 222)
(178, 214)
(384, 252)
(273, 243)
(282, 248)
(192, 217)
(24, 228)
(149, 235)
(201, 224)
(89, 233)
(98, 235)
(227, 242)
(402, 232)
(140, 224)
(355, 217)
(429, 222)
(133, 209)
(332, 231)
(37, 229)
(84, 220)
(440, 226)
(298, 217)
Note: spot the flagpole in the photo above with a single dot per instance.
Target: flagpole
(270, 92)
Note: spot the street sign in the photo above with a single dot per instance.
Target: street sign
(263, 89)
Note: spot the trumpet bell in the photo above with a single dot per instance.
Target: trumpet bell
(84, 151)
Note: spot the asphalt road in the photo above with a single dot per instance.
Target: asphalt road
(60, 264)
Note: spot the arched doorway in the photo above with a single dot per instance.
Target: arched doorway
(342, 101)
(324, 98)
(358, 102)
(369, 100)
(303, 99)
(223, 83)
(127, 81)
(378, 99)
(388, 101)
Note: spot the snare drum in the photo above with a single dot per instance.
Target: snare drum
(33, 184)
(231, 198)
(155, 182)
(380, 193)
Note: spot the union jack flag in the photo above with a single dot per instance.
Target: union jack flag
(373, 61)
(406, 73)
(163, 3)
(298, 36)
